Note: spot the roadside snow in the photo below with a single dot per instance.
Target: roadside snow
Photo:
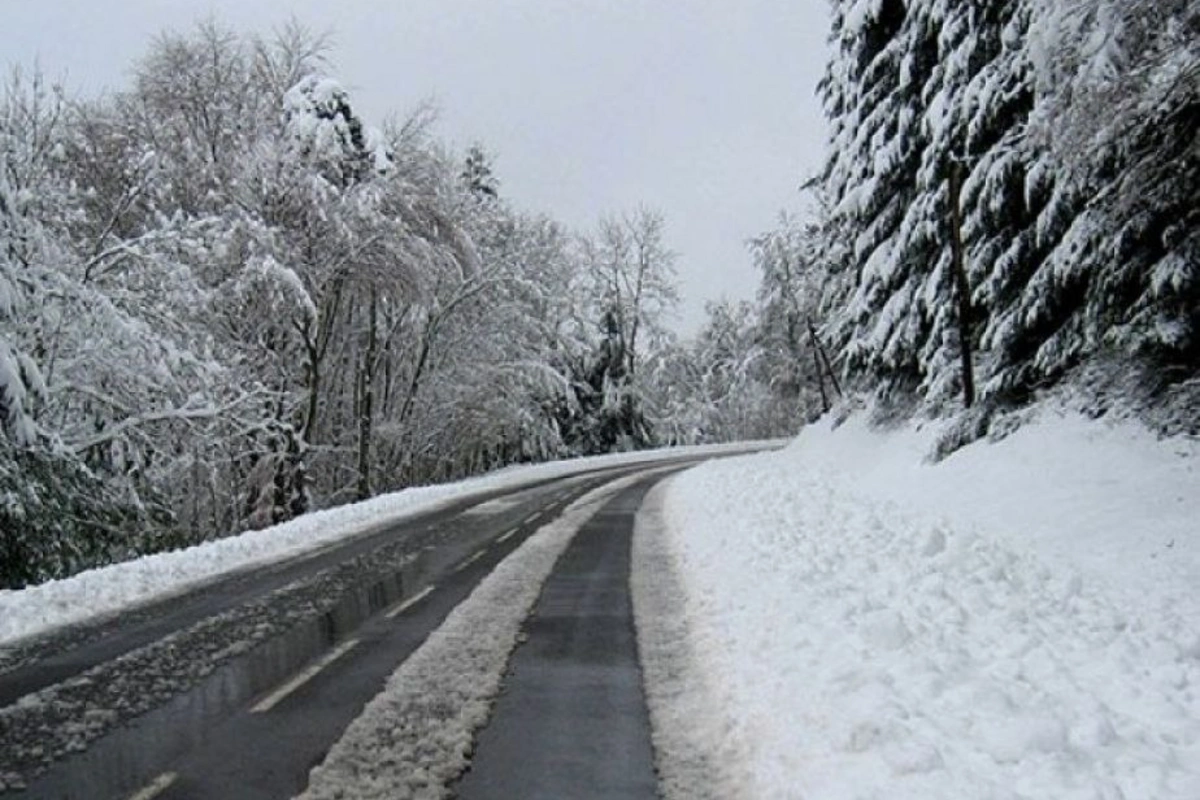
(415, 736)
(101, 592)
(693, 755)
(1018, 621)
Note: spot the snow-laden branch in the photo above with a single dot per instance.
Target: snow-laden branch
(184, 413)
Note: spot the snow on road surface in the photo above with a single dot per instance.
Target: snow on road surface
(415, 736)
(104, 591)
(1020, 620)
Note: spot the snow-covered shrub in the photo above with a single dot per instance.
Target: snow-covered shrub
(57, 518)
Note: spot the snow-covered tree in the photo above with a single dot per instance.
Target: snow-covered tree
(1118, 88)
(26, 136)
(794, 277)
(225, 299)
(723, 384)
(629, 289)
(1077, 228)
(328, 135)
(477, 174)
(57, 515)
(872, 93)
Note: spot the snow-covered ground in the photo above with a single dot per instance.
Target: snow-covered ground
(844, 619)
(104, 591)
(1020, 620)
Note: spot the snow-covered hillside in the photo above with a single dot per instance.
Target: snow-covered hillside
(1017, 621)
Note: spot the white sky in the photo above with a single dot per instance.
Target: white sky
(704, 109)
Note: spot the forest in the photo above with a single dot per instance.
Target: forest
(226, 299)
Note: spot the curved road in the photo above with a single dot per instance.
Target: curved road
(238, 688)
(572, 721)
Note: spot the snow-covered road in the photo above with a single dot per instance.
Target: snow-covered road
(176, 689)
(417, 735)
(115, 589)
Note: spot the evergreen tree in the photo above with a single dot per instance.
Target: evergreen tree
(327, 132)
(606, 415)
(477, 175)
(1078, 229)
(1137, 241)
(872, 94)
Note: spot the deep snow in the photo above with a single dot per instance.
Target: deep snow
(1017, 621)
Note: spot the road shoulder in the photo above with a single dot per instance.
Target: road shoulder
(692, 753)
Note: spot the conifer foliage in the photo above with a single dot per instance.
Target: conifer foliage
(1074, 128)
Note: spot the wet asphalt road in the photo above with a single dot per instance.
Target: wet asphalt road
(572, 719)
(166, 695)
(208, 694)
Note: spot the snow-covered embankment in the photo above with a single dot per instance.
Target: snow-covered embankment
(1019, 620)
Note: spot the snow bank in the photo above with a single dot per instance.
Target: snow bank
(415, 736)
(693, 756)
(103, 591)
(1019, 620)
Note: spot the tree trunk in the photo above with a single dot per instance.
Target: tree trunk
(962, 286)
(312, 353)
(410, 396)
(366, 396)
(820, 378)
(819, 347)
(316, 335)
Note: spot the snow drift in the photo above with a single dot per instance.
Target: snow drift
(1018, 620)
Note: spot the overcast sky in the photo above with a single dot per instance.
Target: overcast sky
(703, 109)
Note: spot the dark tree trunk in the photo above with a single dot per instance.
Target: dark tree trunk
(962, 286)
(366, 398)
(823, 358)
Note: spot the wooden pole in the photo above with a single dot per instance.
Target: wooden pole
(824, 357)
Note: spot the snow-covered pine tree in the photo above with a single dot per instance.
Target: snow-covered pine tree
(1118, 86)
(1016, 208)
(941, 59)
(979, 97)
(872, 95)
(327, 132)
(947, 85)
(1080, 228)
(477, 174)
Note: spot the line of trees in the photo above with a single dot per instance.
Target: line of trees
(1011, 195)
(1010, 198)
(225, 299)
